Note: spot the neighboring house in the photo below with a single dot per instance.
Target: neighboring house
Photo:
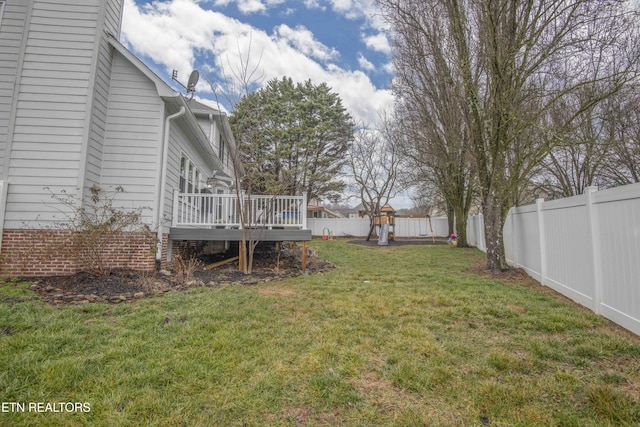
(77, 109)
(315, 209)
(362, 211)
(348, 212)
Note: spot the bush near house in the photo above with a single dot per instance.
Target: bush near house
(93, 234)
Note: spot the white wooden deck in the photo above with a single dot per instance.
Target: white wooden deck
(201, 216)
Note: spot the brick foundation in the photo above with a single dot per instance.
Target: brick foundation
(57, 252)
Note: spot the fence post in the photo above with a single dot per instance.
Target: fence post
(482, 239)
(594, 235)
(514, 248)
(542, 242)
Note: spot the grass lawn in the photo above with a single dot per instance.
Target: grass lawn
(402, 336)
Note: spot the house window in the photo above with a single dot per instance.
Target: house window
(183, 174)
(190, 176)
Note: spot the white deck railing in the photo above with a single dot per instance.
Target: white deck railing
(226, 210)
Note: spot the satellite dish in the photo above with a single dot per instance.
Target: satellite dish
(191, 84)
(193, 81)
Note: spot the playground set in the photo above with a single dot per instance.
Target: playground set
(385, 222)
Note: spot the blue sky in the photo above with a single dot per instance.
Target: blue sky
(340, 42)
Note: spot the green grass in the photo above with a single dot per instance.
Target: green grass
(394, 336)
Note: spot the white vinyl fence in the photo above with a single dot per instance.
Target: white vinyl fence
(359, 227)
(475, 232)
(586, 247)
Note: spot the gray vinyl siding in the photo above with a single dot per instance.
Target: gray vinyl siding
(179, 143)
(79, 112)
(204, 123)
(215, 139)
(50, 119)
(133, 135)
(111, 15)
(11, 33)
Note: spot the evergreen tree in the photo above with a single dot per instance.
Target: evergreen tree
(294, 138)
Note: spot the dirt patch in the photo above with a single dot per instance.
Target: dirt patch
(125, 285)
(276, 291)
(401, 242)
(512, 276)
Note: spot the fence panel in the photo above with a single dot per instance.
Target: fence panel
(359, 227)
(475, 232)
(618, 224)
(567, 249)
(340, 227)
(421, 227)
(527, 246)
(586, 247)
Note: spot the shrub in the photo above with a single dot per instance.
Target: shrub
(96, 223)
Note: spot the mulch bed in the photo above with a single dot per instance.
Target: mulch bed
(125, 285)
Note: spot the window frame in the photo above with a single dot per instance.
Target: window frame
(190, 176)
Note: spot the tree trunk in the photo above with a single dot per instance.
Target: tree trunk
(461, 226)
(451, 219)
(493, 225)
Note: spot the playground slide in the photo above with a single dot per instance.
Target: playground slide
(384, 235)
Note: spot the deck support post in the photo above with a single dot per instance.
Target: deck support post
(304, 256)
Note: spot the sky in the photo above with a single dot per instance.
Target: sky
(342, 43)
(338, 42)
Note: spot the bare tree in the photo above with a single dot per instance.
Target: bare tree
(374, 163)
(622, 165)
(242, 81)
(430, 94)
(516, 60)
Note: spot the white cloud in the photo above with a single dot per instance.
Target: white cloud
(360, 9)
(250, 6)
(175, 31)
(389, 68)
(365, 64)
(313, 4)
(304, 41)
(378, 42)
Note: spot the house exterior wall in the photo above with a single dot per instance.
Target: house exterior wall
(103, 60)
(178, 146)
(30, 252)
(131, 152)
(11, 40)
(55, 83)
(210, 129)
(45, 140)
(77, 110)
(217, 138)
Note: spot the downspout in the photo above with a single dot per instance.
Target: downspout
(163, 182)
